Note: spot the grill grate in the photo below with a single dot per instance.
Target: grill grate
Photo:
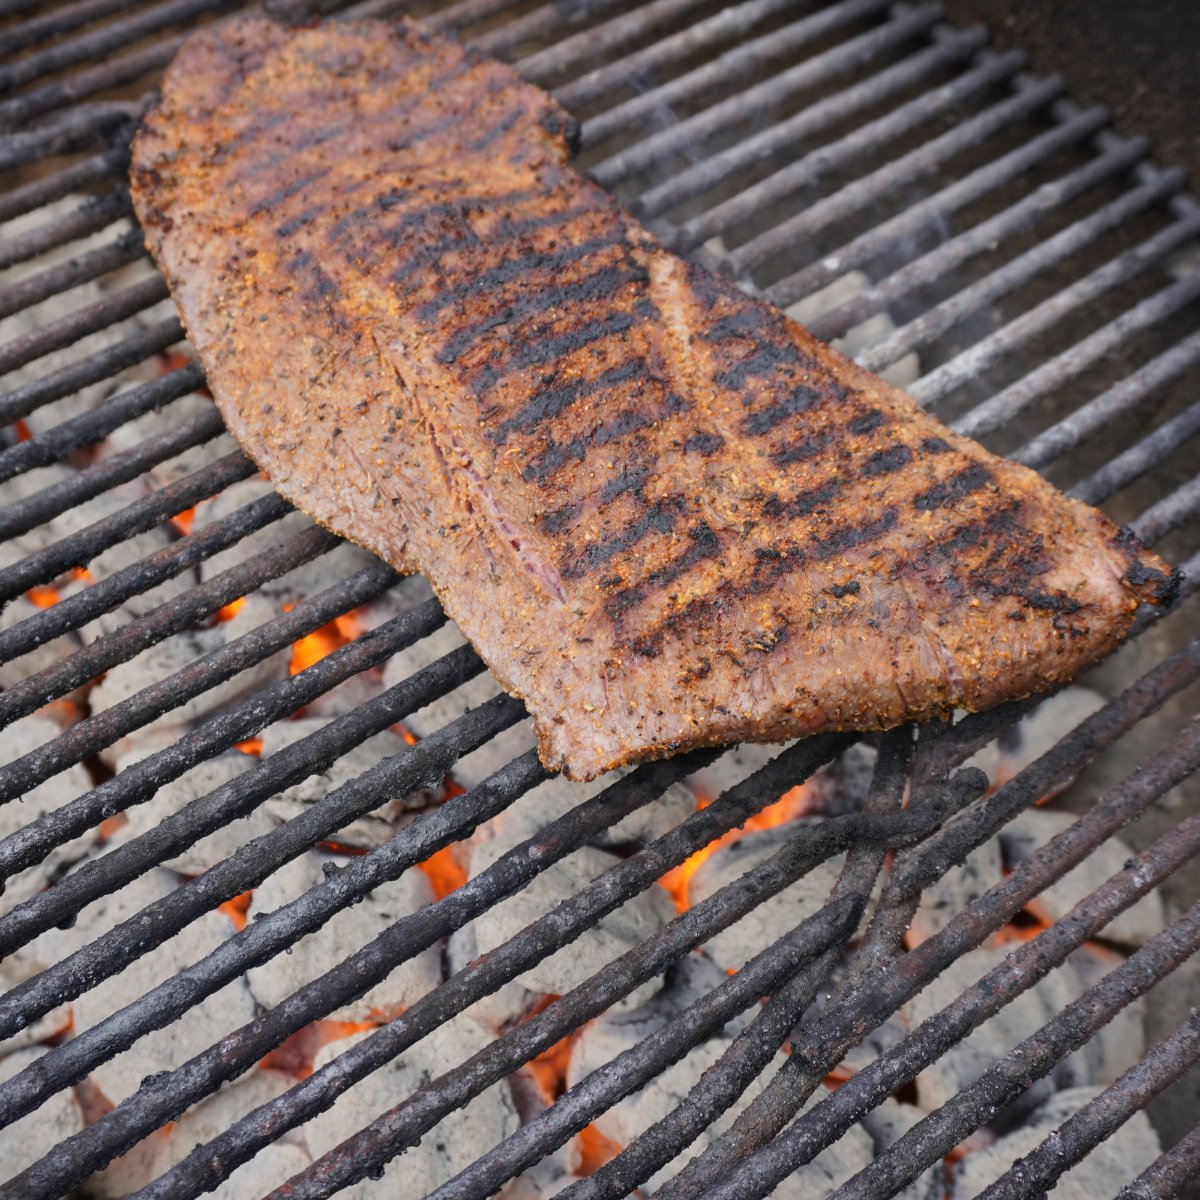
(1043, 274)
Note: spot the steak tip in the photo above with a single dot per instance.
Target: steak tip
(1150, 577)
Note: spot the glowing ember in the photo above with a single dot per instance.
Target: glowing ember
(594, 1150)
(321, 642)
(183, 521)
(228, 611)
(252, 746)
(111, 826)
(82, 575)
(549, 1068)
(43, 597)
(23, 430)
(295, 1055)
(443, 872)
(237, 908)
(342, 848)
(789, 806)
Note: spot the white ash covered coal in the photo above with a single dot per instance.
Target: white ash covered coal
(637, 919)
(273, 1164)
(1116, 1161)
(159, 661)
(961, 886)
(20, 738)
(456, 1141)
(768, 921)
(1035, 734)
(964, 1062)
(1122, 1042)
(176, 795)
(365, 832)
(345, 933)
(1025, 834)
(612, 1034)
(164, 1048)
(25, 1141)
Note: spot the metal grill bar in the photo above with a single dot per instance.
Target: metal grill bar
(1005, 405)
(61, 20)
(728, 113)
(91, 216)
(66, 133)
(609, 35)
(1169, 1175)
(126, 249)
(1169, 513)
(826, 113)
(69, 329)
(116, 34)
(102, 365)
(1103, 1116)
(1018, 272)
(38, 192)
(865, 1005)
(78, 549)
(52, 501)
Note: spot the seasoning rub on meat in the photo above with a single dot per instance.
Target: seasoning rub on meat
(663, 513)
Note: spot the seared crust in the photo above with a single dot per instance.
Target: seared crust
(663, 513)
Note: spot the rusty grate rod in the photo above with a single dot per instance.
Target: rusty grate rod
(1170, 1174)
(878, 996)
(630, 1070)
(1101, 1117)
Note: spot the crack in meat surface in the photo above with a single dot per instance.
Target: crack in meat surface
(663, 513)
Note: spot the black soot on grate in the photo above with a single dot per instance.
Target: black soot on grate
(290, 907)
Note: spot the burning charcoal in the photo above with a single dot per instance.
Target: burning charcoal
(25, 1141)
(903, 372)
(1117, 1160)
(348, 695)
(164, 1048)
(966, 1060)
(959, 887)
(368, 831)
(842, 786)
(158, 661)
(638, 918)
(20, 738)
(1032, 829)
(612, 1034)
(274, 1163)
(348, 931)
(647, 821)
(179, 793)
(1042, 729)
(889, 1123)
(459, 1138)
(770, 920)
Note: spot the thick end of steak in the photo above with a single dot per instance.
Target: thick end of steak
(663, 513)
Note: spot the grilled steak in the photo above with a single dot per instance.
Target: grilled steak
(663, 513)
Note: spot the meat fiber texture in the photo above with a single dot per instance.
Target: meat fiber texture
(663, 513)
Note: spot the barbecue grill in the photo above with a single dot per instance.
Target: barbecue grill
(288, 893)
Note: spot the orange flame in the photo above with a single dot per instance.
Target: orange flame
(23, 431)
(236, 909)
(183, 521)
(788, 807)
(443, 872)
(111, 826)
(228, 611)
(82, 575)
(594, 1150)
(43, 596)
(295, 1055)
(321, 642)
(252, 746)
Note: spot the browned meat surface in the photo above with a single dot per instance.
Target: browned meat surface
(663, 513)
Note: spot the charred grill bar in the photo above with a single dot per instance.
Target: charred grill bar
(796, 144)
